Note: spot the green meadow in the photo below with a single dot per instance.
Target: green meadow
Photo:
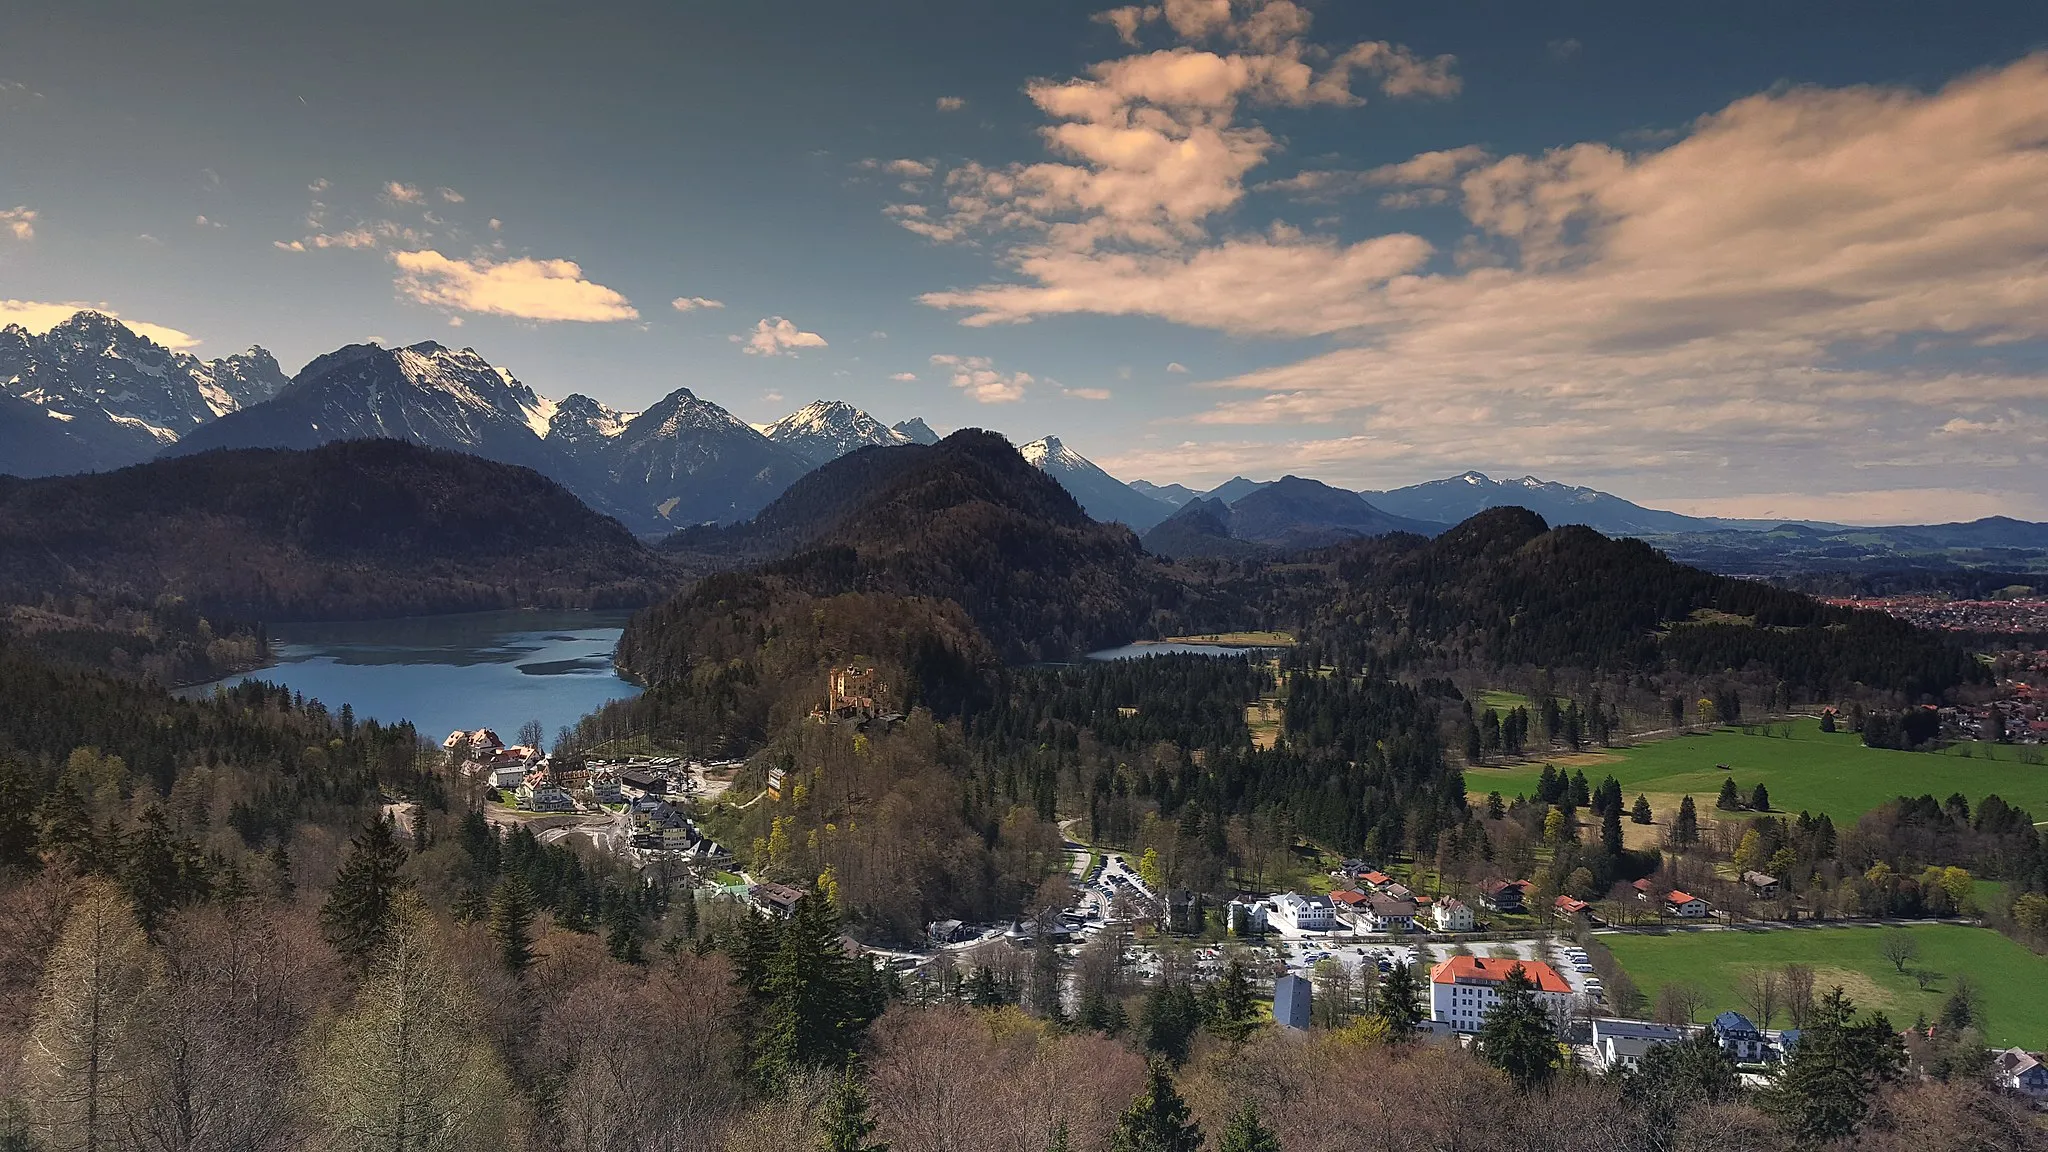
(1811, 770)
(2007, 975)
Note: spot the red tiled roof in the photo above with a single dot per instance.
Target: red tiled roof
(1375, 877)
(1494, 969)
(1678, 897)
(1571, 905)
(1348, 897)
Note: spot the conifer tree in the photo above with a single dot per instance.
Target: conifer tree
(512, 914)
(357, 915)
(847, 1126)
(1517, 1034)
(811, 1017)
(1158, 1119)
(282, 884)
(1730, 798)
(1641, 813)
(1397, 1003)
(1685, 832)
(1237, 1003)
(1610, 830)
(64, 828)
(1824, 1088)
(1245, 1133)
(1760, 799)
(17, 819)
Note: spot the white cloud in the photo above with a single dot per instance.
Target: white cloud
(1177, 368)
(204, 222)
(1086, 393)
(904, 377)
(18, 222)
(449, 195)
(692, 303)
(952, 103)
(496, 224)
(39, 316)
(776, 336)
(977, 376)
(403, 193)
(1859, 313)
(530, 289)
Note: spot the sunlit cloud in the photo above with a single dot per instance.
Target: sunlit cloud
(694, 303)
(545, 290)
(978, 378)
(38, 317)
(775, 336)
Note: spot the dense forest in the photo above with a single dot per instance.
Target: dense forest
(372, 528)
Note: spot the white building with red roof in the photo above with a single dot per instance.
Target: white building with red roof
(1463, 989)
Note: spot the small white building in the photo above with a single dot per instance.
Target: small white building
(1463, 989)
(1303, 913)
(1624, 1043)
(1451, 915)
(1685, 906)
(604, 786)
(544, 797)
(1255, 914)
(1386, 914)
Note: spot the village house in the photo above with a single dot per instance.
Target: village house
(1571, 907)
(1743, 1041)
(1761, 886)
(1463, 989)
(2018, 1070)
(1247, 916)
(1304, 913)
(1293, 997)
(1452, 915)
(1386, 914)
(1349, 898)
(1399, 892)
(604, 786)
(642, 782)
(539, 793)
(1503, 895)
(1624, 1043)
(776, 898)
(1685, 905)
(1376, 880)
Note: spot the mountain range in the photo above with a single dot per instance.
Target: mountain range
(91, 395)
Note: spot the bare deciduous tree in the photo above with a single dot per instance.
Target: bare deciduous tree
(1679, 1003)
(1763, 995)
(1798, 994)
(87, 1047)
(1898, 947)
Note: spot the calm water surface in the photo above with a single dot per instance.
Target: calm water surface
(1135, 651)
(481, 669)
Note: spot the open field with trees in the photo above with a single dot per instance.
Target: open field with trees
(1870, 963)
(1803, 767)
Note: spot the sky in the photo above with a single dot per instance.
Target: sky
(1751, 259)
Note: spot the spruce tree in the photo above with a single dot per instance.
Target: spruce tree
(982, 989)
(1823, 1091)
(1517, 1034)
(1158, 1119)
(1610, 831)
(1642, 814)
(622, 933)
(1686, 831)
(282, 884)
(846, 1125)
(17, 819)
(64, 828)
(512, 914)
(357, 915)
(1730, 798)
(1237, 1004)
(1397, 1003)
(1246, 1134)
(1760, 799)
(812, 1016)
(1171, 1015)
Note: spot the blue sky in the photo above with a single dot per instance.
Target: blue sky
(1778, 259)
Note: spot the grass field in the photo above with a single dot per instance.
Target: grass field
(1811, 770)
(2008, 976)
(1237, 639)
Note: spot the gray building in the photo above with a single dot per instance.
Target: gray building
(1291, 1002)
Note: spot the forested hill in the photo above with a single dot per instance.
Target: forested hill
(966, 520)
(352, 529)
(1503, 589)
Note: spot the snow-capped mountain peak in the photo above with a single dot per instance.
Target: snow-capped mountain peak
(915, 430)
(1100, 495)
(825, 430)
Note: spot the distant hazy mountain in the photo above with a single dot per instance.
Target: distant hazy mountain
(121, 397)
(825, 430)
(916, 431)
(1233, 489)
(688, 461)
(1101, 495)
(1458, 498)
(1287, 515)
(1174, 494)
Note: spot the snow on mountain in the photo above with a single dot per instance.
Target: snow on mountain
(825, 430)
(1455, 498)
(688, 461)
(1101, 495)
(123, 396)
(916, 430)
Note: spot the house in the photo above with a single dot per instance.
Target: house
(537, 793)
(1761, 886)
(482, 742)
(1376, 880)
(1247, 916)
(604, 786)
(1292, 999)
(1503, 895)
(1452, 915)
(1463, 989)
(1643, 889)
(1304, 913)
(667, 817)
(1624, 1043)
(945, 931)
(643, 782)
(1399, 892)
(508, 777)
(1386, 914)
(776, 898)
(1741, 1040)
(1684, 905)
(1348, 898)
(2018, 1070)
(1570, 907)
